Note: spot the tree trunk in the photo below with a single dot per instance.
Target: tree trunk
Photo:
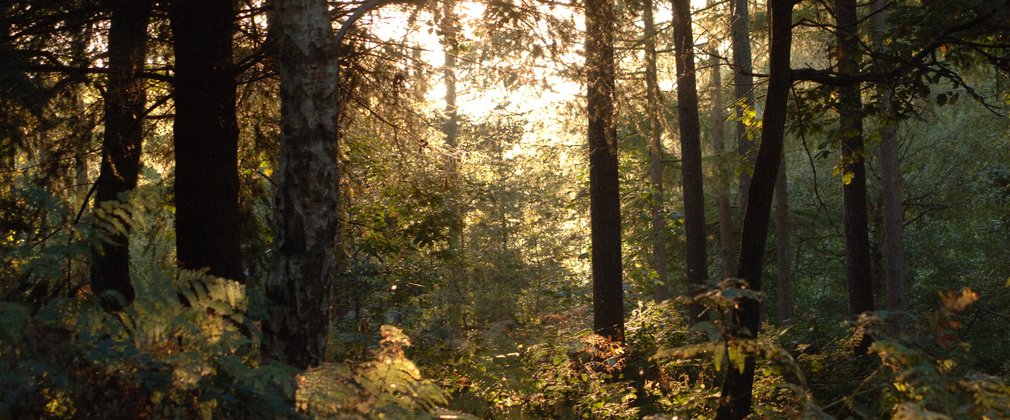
(304, 258)
(722, 202)
(785, 295)
(125, 101)
(743, 89)
(206, 138)
(735, 402)
(857, 239)
(450, 128)
(604, 191)
(653, 99)
(690, 148)
(893, 212)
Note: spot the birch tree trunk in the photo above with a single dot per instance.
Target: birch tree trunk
(305, 242)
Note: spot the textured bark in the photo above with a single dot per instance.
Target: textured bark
(303, 266)
(690, 148)
(604, 190)
(743, 89)
(735, 402)
(125, 100)
(857, 238)
(893, 211)
(206, 138)
(654, 101)
(725, 210)
(785, 280)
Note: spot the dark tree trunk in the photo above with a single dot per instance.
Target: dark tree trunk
(304, 260)
(652, 95)
(850, 120)
(735, 402)
(206, 138)
(604, 191)
(690, 148)
(743, 89)
(893, 211)
(722, 202)
(785, 281)
(125, 100)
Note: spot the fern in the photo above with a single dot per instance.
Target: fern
(389, 385)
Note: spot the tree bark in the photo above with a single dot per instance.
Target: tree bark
(604, 190)
(893, 211)
(690, 148)
(743, 89)
(125, 101)
(722, 175)
(450, 129)
(785, 282)
(857, 239)
(735, 402)
(654, 101)
(307, 200)
(206, 138)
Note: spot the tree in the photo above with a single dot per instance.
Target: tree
(893, 210)
(206, 138)
(735, 402)
(690, 146)
(306, 203)
(125, 102)
(743, 89)
(850, 128)
(722, 181)
(785, 283)
(652, 94)
(604, 190)
(450, 128)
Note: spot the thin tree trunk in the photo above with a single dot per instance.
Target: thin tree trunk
(125, 101)
(690, 148)
(450, 128)
(857, 239)
(894, 249)
(604, 189)
(743, 89)
(722, 202)
(735, 402)
(785, 283)
(654, 101)
(206, 138)
(307, 197)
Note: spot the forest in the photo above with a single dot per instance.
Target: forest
(505, 209)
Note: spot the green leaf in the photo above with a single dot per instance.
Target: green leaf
(720, 352)
(738, 358)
